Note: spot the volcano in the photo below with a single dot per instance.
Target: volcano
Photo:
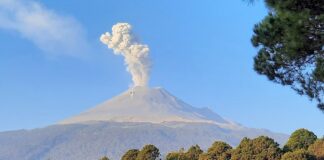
(136, 117)
(153, 105)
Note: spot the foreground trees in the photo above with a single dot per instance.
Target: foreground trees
(302, 145)
(299, 154)
(317, 149)
(130, 154)
(148, 152)
(290, 41)
(300, 139)
(218, 150)
(258, 148)
(193, 153)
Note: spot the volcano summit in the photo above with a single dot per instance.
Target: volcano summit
(153, 105)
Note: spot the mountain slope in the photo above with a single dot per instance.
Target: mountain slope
(92, 141)
(142, 104)
(132, 119)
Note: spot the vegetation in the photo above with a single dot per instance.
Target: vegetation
(104, 158)
(148, 152)
(130, 154)
(300, 139)
(290, 41)
(218, 150)
(258, 148)
(180, 155)
(317, 149)
(302, 145)
(192, 154)
(299, 154)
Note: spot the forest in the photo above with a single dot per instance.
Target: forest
(301, 145)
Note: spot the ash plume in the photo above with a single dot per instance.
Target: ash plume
(136, 55)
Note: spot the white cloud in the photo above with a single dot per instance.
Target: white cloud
(55, 34)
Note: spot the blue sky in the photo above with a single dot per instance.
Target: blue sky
(201, 53)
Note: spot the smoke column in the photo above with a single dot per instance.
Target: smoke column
(136, 55)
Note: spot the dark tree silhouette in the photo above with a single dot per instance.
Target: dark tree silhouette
(290, 40)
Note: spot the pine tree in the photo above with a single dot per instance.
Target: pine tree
(148, 152)
(290, 40)
(317, 148)
(258, 149)
(300, 139)
(130, 154)
(219, 150)
(299, 154)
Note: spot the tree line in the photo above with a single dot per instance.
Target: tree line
(301, 145)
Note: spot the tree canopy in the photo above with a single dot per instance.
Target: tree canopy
(148, 152)
(300, 154)
(302, 145)
(317, 148)
(130, 154)
(290, 40)
(219, 150)
(176, 156)
(300, 139)
(259, 148)
(104, 158)
(193, 153)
